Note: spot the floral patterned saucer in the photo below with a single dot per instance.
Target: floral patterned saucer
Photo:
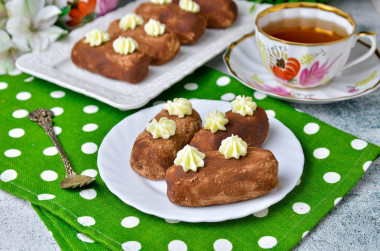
(243, 61)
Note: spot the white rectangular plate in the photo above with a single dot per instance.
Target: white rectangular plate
(55, 63)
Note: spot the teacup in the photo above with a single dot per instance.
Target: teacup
(305, 45)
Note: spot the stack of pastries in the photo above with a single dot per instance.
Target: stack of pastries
(220, 163)
(157, 29)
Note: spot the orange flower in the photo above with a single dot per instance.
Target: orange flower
(83, 10)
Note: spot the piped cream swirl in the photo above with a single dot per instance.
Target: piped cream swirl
(189, 6)
(124, 45)
(243, 105)
(179, 107)
(130, 21)
(190, 158)
(233, 147)
(215, 121)
(161, 1)
(154, 28)
(164, 128)
(96, 37)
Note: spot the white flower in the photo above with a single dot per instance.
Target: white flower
(7, 53)
(3, 15)
(59, 3)
(31, 24)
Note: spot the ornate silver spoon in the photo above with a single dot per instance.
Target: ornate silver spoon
(44, 119)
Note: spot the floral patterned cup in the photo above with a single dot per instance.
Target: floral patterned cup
(308, 65)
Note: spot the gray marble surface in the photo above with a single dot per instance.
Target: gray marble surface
(354, 224)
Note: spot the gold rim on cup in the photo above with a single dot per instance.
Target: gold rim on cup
(320, 6)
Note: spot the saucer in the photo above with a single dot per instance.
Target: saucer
(243, 62)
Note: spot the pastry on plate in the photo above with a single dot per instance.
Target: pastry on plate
(156, 147)
(161, 44)
(185, 21)
(246, 119)
(117, 58)
(233, 173)
(218, 13)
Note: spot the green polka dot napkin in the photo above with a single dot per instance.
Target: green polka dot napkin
(93, 218)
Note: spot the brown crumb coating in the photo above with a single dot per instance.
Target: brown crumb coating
(152, 157)
(103, 60)
(160, 49)
(223, 181)
(252, 129)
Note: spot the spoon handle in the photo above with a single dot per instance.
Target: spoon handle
(44, 119)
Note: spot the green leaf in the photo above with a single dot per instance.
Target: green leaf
(65, 11)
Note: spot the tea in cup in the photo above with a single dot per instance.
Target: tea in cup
(305, 45)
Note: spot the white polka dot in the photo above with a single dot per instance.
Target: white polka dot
(228, 96)
(358, 144)
(222, 245)
(84, 238)
(366, 165)
(50, 151)
(301, 208)
(90, 127)
(90, 109)
(130, 222)
(21, 113)
(259, 95)
(158, 102)
(12, 153)
(337, 200)
(131, 246)
(298, 182)
(8, 175)
(267, 242)
(177, 245)
(191, 86)
(3, 85)
(57, 111)
(15, 72)
(321, 153)
(304, 234)
(57, 130)
(49, 175)
(90, 172)
(86, 221)
(89, 148)
(30, 79)
(271, 113)
(298, 110)
(16, 133)
(57, 94)
(45, 196)
(331, 177)
(172, 221)
(23, 96)
(88, 194)
(261, 213)
(222, 81)
(311, 128)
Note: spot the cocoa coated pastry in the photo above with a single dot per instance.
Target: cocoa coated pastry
(189, 27)
(252, 129)
(103, 60)
(161, 49)
(152, 157)
(223, 181)
(218, 13)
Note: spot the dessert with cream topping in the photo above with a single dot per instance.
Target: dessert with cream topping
(160, 43)
(183, 19)
(118, 58)
(156, 148)
(233, 173)
(245, 119)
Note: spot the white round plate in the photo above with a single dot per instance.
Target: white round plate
(150, 197)
(244, 63)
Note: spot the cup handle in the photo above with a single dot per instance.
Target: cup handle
(372, 37)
